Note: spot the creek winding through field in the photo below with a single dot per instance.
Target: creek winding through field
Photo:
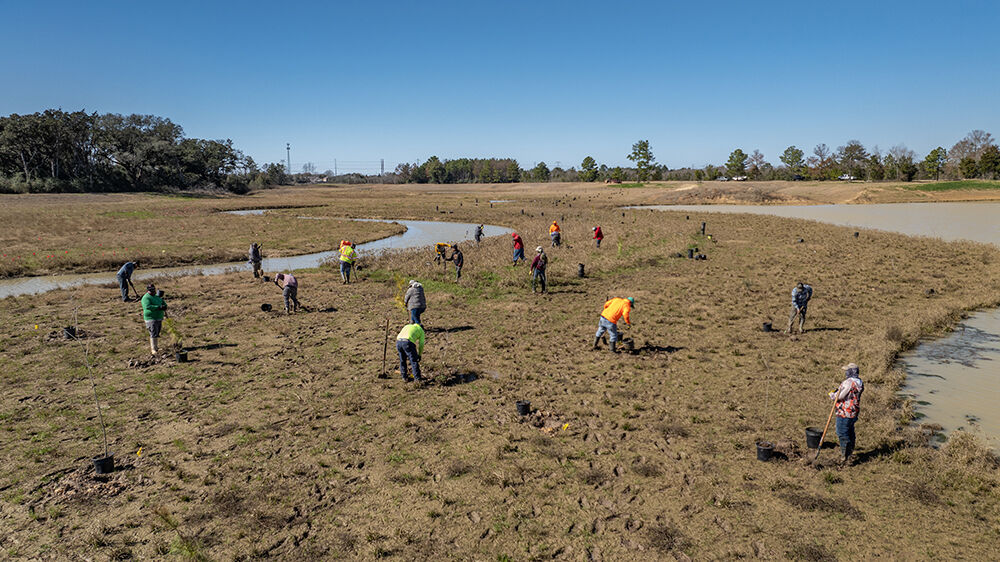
(955, 380)
(418, 234)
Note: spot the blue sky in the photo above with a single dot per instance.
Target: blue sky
(544, 80)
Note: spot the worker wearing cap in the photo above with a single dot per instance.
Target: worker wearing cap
(538, 266)
(518, 247)
(478, 234)
(124, 277)
(801, 294)
(598, 235)
(347, 257)
(458, 258)
(555, 233)
(415, 301)
(153, 307)
(410, 345)
(614, 310)
(255, 260)
(848, 399)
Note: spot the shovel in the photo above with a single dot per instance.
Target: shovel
(827, 426)
(137, 297)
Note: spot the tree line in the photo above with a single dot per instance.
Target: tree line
(55, 150)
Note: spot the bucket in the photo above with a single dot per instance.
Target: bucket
(105, 465)
(523, 407)
(764, 450)
(69, 332)
(579, 270)
(182, 356)
(813, 436)
(629, 345)
(767, 327)
(265, 307)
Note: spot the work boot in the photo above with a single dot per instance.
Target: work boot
(614, 347)
(597, 341)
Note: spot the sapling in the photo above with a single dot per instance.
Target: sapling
(93, 384)
(175, 336)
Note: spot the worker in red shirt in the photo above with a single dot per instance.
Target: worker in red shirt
(598, 235)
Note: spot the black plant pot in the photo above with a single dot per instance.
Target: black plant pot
(265, 307)
(69, 332)
(181, 356)
(767, 327)
(813, 437)
(764, 451)
(105, 465)
(523, 407)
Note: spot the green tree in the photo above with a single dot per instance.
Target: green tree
(643, 157)
(968, 167)
(436, 172)
(540, 172)
(794, 159)
(617, 173)
(935, 161)
(989, 162)
(874, 167)
(737, 164)
(588, 169)
(852, 158)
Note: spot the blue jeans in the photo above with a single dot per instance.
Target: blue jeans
(605, 325)
(345, 271)
(518, 254)
(408, 350)
(123, 285)
(538, 276)
(845, 434)
(415, 315)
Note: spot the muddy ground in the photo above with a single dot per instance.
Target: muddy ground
(279, 440)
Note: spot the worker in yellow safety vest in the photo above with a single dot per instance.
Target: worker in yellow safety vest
(347, 257)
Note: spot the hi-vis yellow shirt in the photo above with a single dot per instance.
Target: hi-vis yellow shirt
(347, 254)
(415, 334)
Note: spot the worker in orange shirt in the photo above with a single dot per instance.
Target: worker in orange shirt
(555, 234)
(614, 310)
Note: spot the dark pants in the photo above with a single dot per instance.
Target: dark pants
(556, 239)
(518, 254)
(123, 285)
(801, 313)
(290, 294)
(345, 271)
(257, 271)
(415, 315)
(458, 272)
(538, 276)
(408, 350)
(845, 434)
(598, 240)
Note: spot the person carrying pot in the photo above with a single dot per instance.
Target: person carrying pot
(289, 286)
(124, 277)
(410, 345)
(848, 405)
(598, 235)
(614, 310)
(153, 310)
(555, 233)
(518, 247)
(415, 301)
(800, 302)
(538, 266)
(255, 260)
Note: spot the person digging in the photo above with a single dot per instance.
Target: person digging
(124, 277)
(255, 261)
(289, 286)
(847, 405)
(410, 345)
(614, 310)
(538, 266)
(800, 302)
(153, 310)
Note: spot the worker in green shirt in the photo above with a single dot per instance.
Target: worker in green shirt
(410, 345)
(153, 307)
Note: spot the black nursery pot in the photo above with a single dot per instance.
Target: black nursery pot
(69, 332)
(764, 450)
(105, 465)
(265, 307)
(813, 436)
(767, 327)
(181, 356)
(523, 407)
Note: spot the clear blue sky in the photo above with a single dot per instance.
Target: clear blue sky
(538, 80)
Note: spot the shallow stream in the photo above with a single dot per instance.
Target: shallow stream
(418, 234)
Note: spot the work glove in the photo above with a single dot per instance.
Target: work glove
(832, 394)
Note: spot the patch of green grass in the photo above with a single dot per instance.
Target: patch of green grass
(955, 185)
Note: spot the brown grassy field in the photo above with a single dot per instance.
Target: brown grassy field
(49, 234)
(279, 439)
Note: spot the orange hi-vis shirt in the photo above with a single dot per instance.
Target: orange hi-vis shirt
(617, 308)
(553, 228)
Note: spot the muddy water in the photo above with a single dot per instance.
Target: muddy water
(418, 234)
(954, 380)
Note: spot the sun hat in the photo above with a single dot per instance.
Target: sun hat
(538, 249)
(631, 301)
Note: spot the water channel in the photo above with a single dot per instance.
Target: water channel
(418, 234)
(954, 380)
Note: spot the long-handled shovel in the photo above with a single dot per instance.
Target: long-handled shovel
(137, 297)
(827, 426)
(385, 346)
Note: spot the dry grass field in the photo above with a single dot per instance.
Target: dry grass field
(279, 440)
